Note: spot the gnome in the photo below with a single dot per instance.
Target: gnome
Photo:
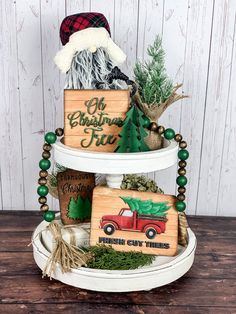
(89, 55)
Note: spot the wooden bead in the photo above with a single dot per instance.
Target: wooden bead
(181, 189)
(46, 154)
(181, 180)
(153, 126)
(42, 181)
(47, 147)
(49, 215)
(42, 200)
(169, 134)
(50, 137)
(146, 122)
(182, 163)
(182, 171)
(183, 154)
(160, 129)
(42, 190)
(182, 144)
(59, 131)
(180, 206)
(181, 197)
(44, 207)
(178, 137)
(43, 173)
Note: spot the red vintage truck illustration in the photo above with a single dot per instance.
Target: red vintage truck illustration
(141, 216)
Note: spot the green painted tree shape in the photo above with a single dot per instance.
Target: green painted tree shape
(147, 207)
(72, 208)
(87, 208)
(79, 208)
(133, 133)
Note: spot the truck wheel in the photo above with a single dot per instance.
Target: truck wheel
(109, 229)
(151, 233)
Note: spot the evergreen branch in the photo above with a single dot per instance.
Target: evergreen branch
(153, 83)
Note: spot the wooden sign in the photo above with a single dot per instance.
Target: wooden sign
(93, 118)
(75, 190)
(134, 221)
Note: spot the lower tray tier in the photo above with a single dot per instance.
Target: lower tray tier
(163, 270)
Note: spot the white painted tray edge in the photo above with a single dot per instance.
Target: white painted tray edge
(145, 278)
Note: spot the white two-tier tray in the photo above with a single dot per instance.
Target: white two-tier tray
(163, 270)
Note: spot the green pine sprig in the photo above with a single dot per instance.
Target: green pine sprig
(154, 85)
(105, 257)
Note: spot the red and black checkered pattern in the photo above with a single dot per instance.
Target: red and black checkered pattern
(77, 22)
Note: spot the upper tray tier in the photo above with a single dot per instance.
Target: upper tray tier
(116, 163)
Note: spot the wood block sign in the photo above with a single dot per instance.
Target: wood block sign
(75, 190)
(93, 118)
(134, 221)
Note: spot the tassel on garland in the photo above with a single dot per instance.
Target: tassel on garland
(67, 255)
(182, 232)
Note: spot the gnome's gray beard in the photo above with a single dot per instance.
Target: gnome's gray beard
(88, 69)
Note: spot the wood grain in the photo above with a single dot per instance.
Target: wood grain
(198, 52)
(12, 195)
(31, 289)
(71, 184)
(116, 95)
(108, 10)
(126, 31)
(75, 141)
(108, 104)
(115, 308)
(52, 80)
(107, 201)
(227, 184)
(216, 106)
(195, 81)
(209, 287)
(31, 94)
(175, 18)
(150, 23)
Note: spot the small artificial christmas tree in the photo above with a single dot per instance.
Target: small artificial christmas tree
(133, 132)
(156, 91)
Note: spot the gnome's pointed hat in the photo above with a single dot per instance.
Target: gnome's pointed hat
(86, 31)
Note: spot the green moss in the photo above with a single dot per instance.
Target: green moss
(105, 257)
(140, 183)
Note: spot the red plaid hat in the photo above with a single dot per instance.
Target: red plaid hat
(80, 21)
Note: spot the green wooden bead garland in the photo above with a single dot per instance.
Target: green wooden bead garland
(50, 137)
(44, 165)
(49, 215)
(169, 134)
(183, 155)
(147, 122)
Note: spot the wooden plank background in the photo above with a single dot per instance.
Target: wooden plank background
(199, 40)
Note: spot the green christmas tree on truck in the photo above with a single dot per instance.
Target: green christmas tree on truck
(147, 207)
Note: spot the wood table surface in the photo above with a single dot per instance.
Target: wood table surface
(209, 287)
